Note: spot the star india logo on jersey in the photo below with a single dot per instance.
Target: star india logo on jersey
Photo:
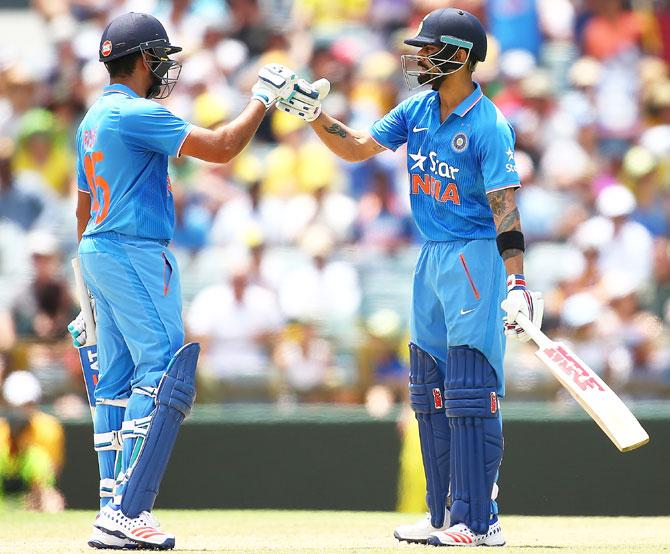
(430, 185)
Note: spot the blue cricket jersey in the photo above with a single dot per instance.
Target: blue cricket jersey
(123, 144)
(452, 165)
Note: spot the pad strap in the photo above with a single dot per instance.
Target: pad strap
(133, 428)
(120, 402)
(146, 391)
(107, 488)
(111, 440)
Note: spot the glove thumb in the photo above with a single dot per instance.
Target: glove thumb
(322, 87)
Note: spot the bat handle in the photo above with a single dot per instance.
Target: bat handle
(84, 302)
(542, 340)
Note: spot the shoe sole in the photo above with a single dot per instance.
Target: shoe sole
(102, 546)
(408, 540)
(168, 545)
(434, 541)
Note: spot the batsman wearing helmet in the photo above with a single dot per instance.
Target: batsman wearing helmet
(125, 217)
(462, 181)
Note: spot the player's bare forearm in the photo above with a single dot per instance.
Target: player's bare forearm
(349, 144)
(506, 218)
(83, 212)
(225, 142)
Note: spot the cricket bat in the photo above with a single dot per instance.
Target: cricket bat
(88, 354)
(592, 393)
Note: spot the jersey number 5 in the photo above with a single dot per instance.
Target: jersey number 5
(97, 185)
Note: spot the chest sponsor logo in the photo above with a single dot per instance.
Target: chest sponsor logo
(442, 189)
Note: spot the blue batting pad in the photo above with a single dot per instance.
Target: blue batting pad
(477, 443)
(174, 398)
(426, 386)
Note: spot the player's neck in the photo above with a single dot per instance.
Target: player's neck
(132, 83)
(452, 93)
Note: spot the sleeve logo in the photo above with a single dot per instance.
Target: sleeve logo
(460, 142)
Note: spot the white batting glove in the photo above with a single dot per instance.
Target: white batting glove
(274, 82)
(521, 300)
(77, 329)
(305, 102)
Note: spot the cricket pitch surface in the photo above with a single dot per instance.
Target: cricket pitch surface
(295, 532)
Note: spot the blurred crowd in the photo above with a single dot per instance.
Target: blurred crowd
(296, 267)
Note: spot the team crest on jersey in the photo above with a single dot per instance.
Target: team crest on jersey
(460, 142)
(106, 48)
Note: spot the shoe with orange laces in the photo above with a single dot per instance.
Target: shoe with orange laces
(461, 535)
(143, 529)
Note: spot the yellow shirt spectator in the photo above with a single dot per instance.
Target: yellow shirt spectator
(41, 149)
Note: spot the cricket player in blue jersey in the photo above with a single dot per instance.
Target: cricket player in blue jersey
(462, 180)
(125, 217)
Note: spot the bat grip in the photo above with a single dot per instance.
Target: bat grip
(542, 340)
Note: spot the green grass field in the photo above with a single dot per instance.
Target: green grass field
(296, 532)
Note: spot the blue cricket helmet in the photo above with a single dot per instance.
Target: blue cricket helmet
(128, 32)
(450, 30)
(455, 27)
(140, 32)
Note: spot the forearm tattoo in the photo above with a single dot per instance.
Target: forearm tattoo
(336, 129)
(505, 215)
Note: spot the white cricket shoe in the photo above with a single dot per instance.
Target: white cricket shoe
(420, 531)
(461, 535)
(142, 529)
(105, 541)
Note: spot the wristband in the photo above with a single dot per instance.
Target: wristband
(510, 240)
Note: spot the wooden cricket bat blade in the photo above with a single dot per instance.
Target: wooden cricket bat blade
(588, 389)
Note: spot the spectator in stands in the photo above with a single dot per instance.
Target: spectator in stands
(44, 308)
(612, 30)
(379, 356)
(627, 244)
(32, 446)
(381, 223)
(192, 220)
(304, 361)
(325, 290)
(21, 200)
(42, 149)
(236, 323)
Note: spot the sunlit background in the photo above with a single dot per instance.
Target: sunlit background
(296, 267)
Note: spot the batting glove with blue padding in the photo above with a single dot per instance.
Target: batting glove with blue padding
(305, 102)
(77, 329)
(521, 300)
(275, 82)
